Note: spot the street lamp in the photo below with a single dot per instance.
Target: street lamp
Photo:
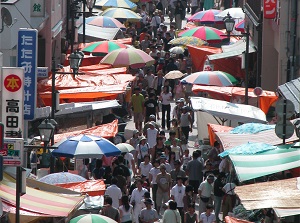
(229, 25)
(75, 61)
(46, 130)
(90, 4)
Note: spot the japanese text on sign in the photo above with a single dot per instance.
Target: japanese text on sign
(27, 58)
(270, 9)
(12, 152)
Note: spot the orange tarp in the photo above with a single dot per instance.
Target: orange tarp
(230, 94)
(235, 220)
(106, 131)
(212, 128)
(230, 65)
(90, 187)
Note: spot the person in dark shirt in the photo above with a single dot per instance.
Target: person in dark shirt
(151, 107)
(218, 193)
(123, 168)
(166, 41)
(98, 171)
(171, 65)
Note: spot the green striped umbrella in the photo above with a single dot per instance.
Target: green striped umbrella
(92, 218)
(209, 34)
(230, 77)
(102, 48)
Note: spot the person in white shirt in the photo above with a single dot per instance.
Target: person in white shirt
(207, 216)
(152, 179)
(177, 194)
(145, 167)
(149, 75)
(142, 149)
(114, 192)
(205, 191)
(152, 134)
(136, 199)
(229, 199)
(131, 163)
(155, 22)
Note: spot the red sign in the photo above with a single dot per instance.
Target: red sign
(12, 83)
(270, 9)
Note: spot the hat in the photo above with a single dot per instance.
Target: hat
(146, 194)
(152, 123)
(152, 116)
(143, 176)
(168, 202)
(210, 177)
(162, 24)
(148, 201)
(163, 157)
(185, 108)
(142, 138)
(135, 131)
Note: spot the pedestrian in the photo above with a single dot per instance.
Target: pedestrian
(208, 216)
(171, 215)
(110, 211)
(148, 214)
(218, 194)
(205, 191)
(134, 140)
(188, 198)
(177, 172)
(142, 149)
(151, 108)
(191, 216)
(159, 148)
(121, 165)
(194, 172)
(114, 192)
(152, 179)
(179, 14)
(175, 127)
(194, 6)
(229, 198)
(186, 158)
(151, 134)
(33, 161)
(98, 171)
(136, 199)
(145, 167)
(186, 122)
(163, 160)
(164, 183)
(137, 104)
(177, 194)
(125, 210)
(166, 98)
(158, 82)
(155, 22)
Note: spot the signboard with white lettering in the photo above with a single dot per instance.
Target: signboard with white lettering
(37, 8)
(42, 72)
(12, 100)
(27, 58)
(12, 152)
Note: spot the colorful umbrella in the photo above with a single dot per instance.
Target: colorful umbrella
(240, 26)
(174, 74)
(61, 178)
(120, 13)
(103, 47)
(188, 40)
(128, 57)
(92, 218)
(236, 13)
(125, 147)
(206, 17)
(104, 21)
(104, 4)
(209, 34)
(214, 78)
(177, 50)
(85, 146)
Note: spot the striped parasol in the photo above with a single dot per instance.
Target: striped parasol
(104, 21)
(121, 13)
(103, 47)
(206, 17)
(104, 4)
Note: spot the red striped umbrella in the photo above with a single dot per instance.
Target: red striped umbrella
(105, 22)
(206, 17)
(102, 48)
(209, 34)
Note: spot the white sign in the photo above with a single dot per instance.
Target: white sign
(12, 100)
(37, 8)
(42, 72)
(12, 152)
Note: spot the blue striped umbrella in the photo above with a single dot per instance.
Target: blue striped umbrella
(104, 21)
(104, 4)
(85, 146)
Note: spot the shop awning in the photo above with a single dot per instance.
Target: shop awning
(99, 33)
(232, 50)
(282, 195)
(269, 137)
(90, 187)
(229, 219)
(237, 94)
(37, 203)
(106, 131)
(249, 167)
(229, 111)
(291, 91)
(213, 128)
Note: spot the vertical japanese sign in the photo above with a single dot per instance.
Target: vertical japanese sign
(270, 9)
(12, 100)
(27, 58)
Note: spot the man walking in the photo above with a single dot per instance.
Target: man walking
(164, 182)
(137, 104)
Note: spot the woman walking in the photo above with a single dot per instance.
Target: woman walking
(165, 98)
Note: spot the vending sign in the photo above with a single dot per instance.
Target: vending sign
(27, 58)
(270, 9)
(12, 152)
(12, 101)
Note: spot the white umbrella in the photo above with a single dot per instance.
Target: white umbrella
(174, 74)
(125, 147)
(236, 13)
(177, 50)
